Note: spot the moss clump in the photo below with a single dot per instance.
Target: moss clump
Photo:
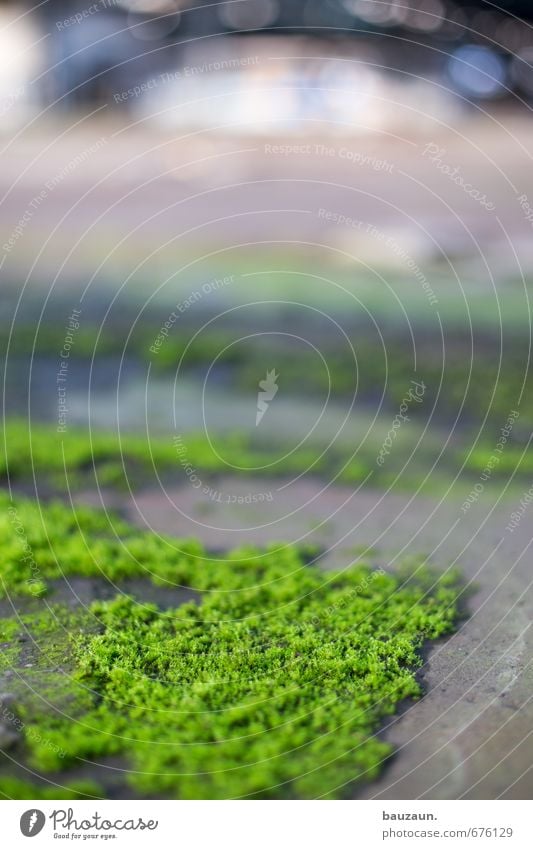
(480, 385)
(79, 457)
(275, 685)
(493, 463)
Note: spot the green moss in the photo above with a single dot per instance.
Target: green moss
(275, 685)
(78, 457)
(481, 385)
(512, 459)
(15, 788)
(43, 543)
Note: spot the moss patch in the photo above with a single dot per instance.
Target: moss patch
(275, 685)
(79, 459)
(17, 788)
(40, 543)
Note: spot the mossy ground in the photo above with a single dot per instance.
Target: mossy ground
(273, 685)
(480, 380)
(76, 459)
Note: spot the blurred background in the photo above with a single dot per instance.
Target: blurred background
(324, 206)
